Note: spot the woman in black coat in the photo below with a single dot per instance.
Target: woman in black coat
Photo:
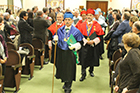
(129, 67)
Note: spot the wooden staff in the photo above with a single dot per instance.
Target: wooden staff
(54, 60)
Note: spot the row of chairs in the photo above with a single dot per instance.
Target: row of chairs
(14, 67)
(116, 58)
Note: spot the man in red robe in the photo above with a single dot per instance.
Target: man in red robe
(89, 53)
(52, 30)
(83, 15)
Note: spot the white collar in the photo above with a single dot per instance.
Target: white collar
(59, 23)
(67, 27)
(90, 22)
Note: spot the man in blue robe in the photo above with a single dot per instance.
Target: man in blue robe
(66, 60)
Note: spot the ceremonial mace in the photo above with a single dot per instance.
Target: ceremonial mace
(54, 60)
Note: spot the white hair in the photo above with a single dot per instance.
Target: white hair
(5, 14)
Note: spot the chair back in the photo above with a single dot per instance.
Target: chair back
(14, 58)
(116, 62)
(29, 46)
(37, 43)
(10, 46)
(116, 55)
(9, 39)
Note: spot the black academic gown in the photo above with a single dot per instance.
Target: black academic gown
(88, 55)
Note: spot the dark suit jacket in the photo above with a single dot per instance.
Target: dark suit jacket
(111, 19)
(30, 21)
(25, 31)
(121, 30)
(40, 26)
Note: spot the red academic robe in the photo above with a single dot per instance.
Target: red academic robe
(52, 28)
(78, 24)
(89, 56)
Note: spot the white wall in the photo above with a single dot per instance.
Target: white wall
(120, 4)
(72, 4)
(115, 4)
(3, 2)
(31, 3)
(17, 3)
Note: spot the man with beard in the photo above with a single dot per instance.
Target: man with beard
(89, 53)
(66, 61)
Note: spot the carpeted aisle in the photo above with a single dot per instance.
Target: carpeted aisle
(42, 81)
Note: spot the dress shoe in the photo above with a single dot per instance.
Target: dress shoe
(82, 78)
(101, 57)
(68, 91)
(92, 74)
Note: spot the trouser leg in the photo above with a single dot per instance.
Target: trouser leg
(91, 69)
(83, 71)
(68, 87)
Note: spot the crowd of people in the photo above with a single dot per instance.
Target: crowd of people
(87, 27)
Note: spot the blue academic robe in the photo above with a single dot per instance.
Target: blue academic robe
(66, 61)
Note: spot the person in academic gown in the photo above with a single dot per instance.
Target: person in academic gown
(103, 25)
(52, 30)
(83, 15)
(89, 53)
(66, 60)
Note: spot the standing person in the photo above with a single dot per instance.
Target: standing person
(83, 15)
(24, 28)
(129, 67)
(100, 14)
(52, 29)
(7, 24)
(2, 31)
(76, 17)
(89, 54)
(35, 9)
(103, 25)
(46, 12)
(11, 16)
(3, 56)
(66, 61)
(40, 26)
(30, 18)
(123, 27)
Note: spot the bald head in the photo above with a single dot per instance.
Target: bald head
(136, 27)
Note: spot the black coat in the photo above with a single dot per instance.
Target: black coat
(129, 70)
(30, 21)
(25, 31)
(40, 26)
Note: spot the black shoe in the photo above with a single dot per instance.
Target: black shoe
(68, 91)
(82, 78)
(101, 57)
(92, 74)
